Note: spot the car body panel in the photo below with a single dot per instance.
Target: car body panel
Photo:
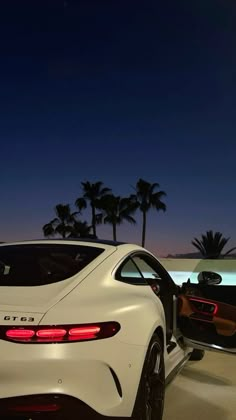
(81, 370)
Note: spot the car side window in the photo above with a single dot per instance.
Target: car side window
(129, 273)
(146, 269)
(152, 269)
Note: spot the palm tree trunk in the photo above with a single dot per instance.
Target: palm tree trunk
(94, 222)
(114, 231)
(144, 228)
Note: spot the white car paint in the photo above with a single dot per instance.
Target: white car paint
(82, 369)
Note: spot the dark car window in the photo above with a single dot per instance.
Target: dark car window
(37, 264)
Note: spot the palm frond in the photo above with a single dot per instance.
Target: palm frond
(230, 251)
(211, 244)
(48, 230)
(62, 224)
(81, 203)
(198, 244)
(130, 219)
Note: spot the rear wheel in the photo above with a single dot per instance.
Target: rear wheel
(150, 398)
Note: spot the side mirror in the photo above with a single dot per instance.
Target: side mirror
(209, 278)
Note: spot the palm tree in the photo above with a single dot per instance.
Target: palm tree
(212, 244)
(91, 194)
(146, 198)
(62, 224)
(80, 230)
(116, 210)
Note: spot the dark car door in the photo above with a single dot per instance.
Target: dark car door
(207, 316)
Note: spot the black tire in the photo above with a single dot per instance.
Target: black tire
(197, 355)
(150, 397)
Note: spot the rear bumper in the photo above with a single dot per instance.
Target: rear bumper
(47, 407)
(103, 374)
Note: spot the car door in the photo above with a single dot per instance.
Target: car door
(207, 315)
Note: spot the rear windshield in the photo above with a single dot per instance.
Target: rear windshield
(34, 265)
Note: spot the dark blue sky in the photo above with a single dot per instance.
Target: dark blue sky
(113, 91)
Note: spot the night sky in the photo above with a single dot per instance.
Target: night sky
(114, 91)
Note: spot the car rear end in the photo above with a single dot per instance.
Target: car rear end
(60, 351)
(38, 361)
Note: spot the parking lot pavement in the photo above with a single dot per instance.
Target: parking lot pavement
(204, 390)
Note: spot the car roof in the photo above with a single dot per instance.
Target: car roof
(97, 241)
(83, 241)
(105, 244)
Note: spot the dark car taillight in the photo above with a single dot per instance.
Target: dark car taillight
(42, 408)
(59, 334)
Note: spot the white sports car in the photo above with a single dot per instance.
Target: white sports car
(96, 329)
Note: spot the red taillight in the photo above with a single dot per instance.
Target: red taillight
(51, 333)
(60, 334)
(20, 334)
(86, 333)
